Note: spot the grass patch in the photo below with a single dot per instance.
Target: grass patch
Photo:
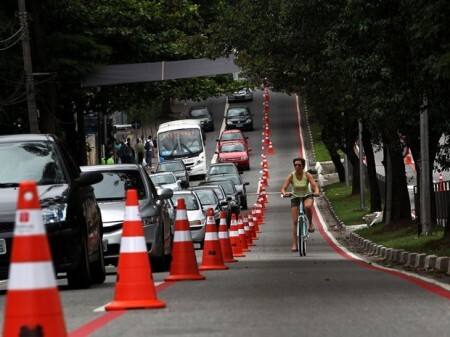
(346, 205)
(406, 238)
(397, 235)
(321, 151)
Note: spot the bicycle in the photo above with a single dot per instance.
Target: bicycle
(302, 222)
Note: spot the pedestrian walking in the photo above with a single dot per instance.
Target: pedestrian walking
(149, 151)
(139, 151)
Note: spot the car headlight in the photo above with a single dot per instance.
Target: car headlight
(249, 120)
(54, 213)
(151, 220)
(220, 159)
(244, 158)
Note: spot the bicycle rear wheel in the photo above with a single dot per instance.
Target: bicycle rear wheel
(302, 236)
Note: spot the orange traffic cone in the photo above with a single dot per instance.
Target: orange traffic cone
(266, 108)
(255, 220)
(271, 151)
(33, 306)
(251, 224)
(212, 253)
(235, 240)
(242, 236)
(441, 182)
(135, 288)
(184, 263)
(224, 239)
(248, 233)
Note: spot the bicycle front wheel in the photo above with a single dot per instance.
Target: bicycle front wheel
(302, 236)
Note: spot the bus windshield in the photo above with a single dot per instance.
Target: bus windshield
(180, 143)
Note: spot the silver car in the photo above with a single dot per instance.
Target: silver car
(196, 215)
(209, 199)
(166, 180)
(111, 194)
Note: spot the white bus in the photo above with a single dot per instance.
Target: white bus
(183, 139)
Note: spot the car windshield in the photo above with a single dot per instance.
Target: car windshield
(199, 113)
(207, 197)
(163, 179)
(222, 169)
(189, 199)
(115, 184)
(231, 136)
(170, 167)
(233, 178)
(237, 147)
(237, 112)
(36, 161)
(180, 142)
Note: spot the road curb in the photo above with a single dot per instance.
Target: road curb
(402, 257)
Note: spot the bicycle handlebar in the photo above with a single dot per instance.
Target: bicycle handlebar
(290, 194)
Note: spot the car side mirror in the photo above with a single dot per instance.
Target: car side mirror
(184, 184)
(89, 178)
(164, 193)
(249, 150)
(246, 183)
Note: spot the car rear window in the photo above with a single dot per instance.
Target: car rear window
(116, 183)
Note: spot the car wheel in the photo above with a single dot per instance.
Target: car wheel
(98, 272)
(80, 278)
(250, 128)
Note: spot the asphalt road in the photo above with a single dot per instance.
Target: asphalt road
(272, 291)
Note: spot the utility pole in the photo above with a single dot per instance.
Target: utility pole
(28, 68)
(425, 177)
(361, 167)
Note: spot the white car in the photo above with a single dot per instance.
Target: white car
(195, 214)
(166, 180)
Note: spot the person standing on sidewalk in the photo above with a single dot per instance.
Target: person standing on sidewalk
(139, 151)
(148, 151)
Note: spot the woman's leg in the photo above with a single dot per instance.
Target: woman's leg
(308, 204)
(294, 213)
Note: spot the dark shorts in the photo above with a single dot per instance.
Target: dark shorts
(295, 202)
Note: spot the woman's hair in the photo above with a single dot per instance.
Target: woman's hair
(302, 160)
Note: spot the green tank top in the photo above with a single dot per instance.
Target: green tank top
(300, 187)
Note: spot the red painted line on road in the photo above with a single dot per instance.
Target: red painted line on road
(299, 129)
(419, 282)
(98, 323)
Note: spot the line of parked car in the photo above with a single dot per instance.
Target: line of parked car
(83, 207)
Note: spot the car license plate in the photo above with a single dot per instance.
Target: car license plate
(239, 125)
(2, 246)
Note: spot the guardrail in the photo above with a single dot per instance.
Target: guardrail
(441, 196)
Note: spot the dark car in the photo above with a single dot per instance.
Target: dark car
(239, 117)
(236, 179)
(231, 193)
(240, 95)
(70, 212)
(204, 115)
(224, 200)
(111, 195)
(178, 168)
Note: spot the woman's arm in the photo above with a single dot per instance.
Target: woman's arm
(314, 187)
(286, 184)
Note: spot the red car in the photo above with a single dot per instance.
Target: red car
(234, 152)
(234, 135)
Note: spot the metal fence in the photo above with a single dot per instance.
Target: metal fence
(441, 196)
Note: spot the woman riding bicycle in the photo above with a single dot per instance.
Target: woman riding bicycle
(299, 179)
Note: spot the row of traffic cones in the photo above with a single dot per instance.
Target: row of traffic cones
(32, 278)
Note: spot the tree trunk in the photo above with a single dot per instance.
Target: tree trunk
(375, 197)
(335, 157)
(401, 207)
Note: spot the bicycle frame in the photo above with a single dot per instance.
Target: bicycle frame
(302, 224)
(302, 228)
